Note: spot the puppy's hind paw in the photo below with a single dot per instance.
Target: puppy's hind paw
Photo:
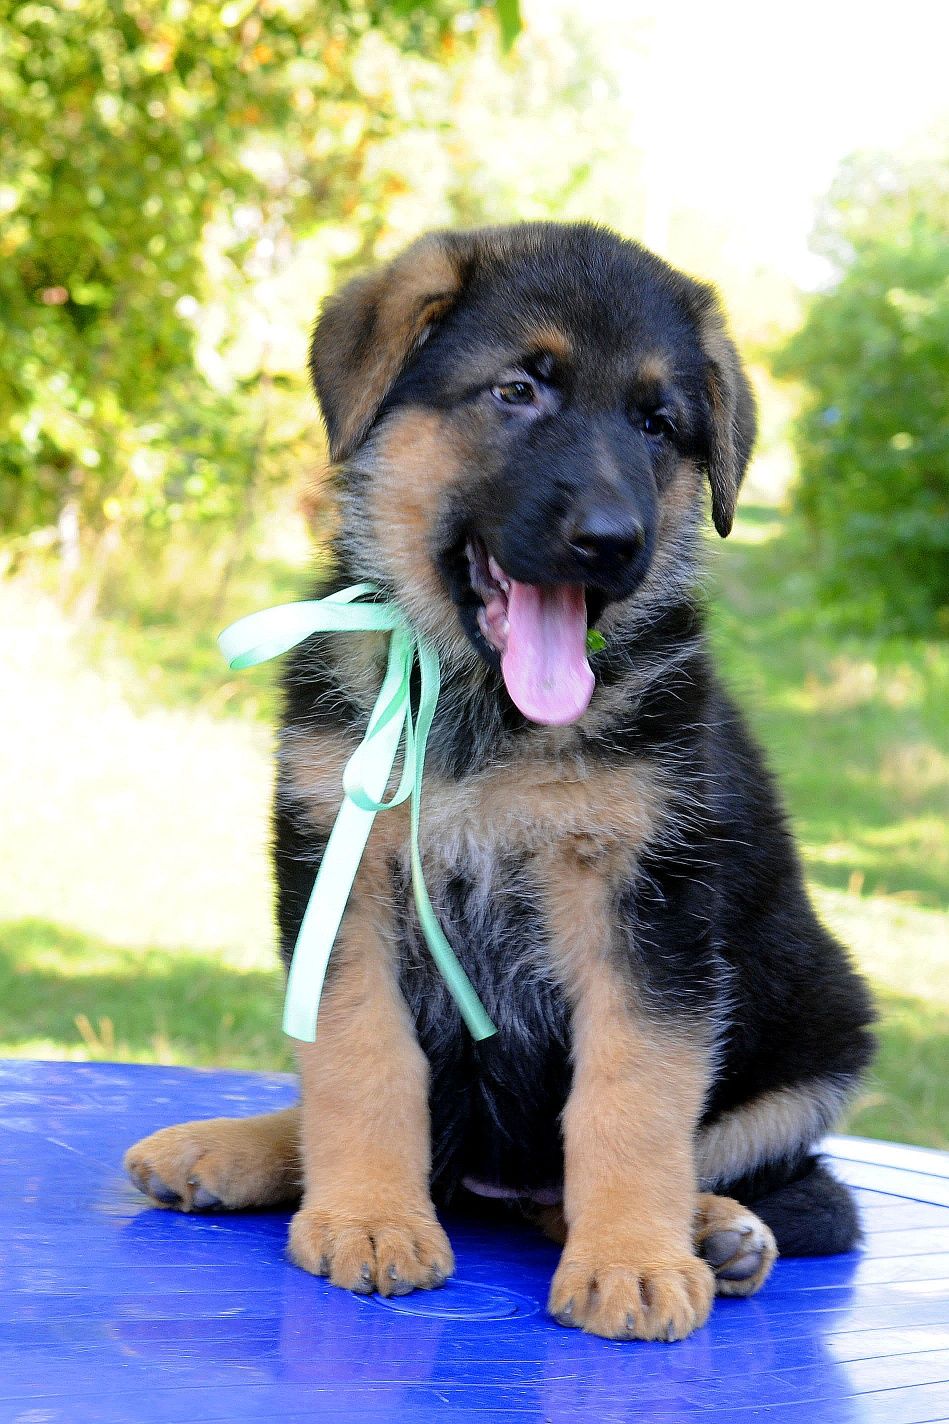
(737, 1245)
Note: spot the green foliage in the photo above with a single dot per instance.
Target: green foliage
(873, 357)
(509, 19)
(160, 163)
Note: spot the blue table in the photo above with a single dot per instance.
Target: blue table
(116, 1312)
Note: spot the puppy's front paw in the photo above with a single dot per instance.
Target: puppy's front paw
(393, 1253)
(653, 1298)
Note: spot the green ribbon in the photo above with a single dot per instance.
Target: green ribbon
(273, 631)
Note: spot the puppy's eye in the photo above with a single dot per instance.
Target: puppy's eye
(514, 393)
(656, 424)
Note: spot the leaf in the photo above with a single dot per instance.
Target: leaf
(595, 641)
(510, 21)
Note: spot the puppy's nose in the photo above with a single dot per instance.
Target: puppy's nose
(606, 538)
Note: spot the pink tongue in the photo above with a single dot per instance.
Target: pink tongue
(545, 664)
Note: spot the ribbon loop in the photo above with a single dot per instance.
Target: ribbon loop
(392, 706)
(273, 631)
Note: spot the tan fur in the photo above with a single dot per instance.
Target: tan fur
(360, 1140)
(368, 331)
(628, 1269)
(243, 1162)
(531, 805)
(414, 458)
(313, 767)
(770, 1126)
(545, 339)
(680, 500)
(367, 1220)
(312, 782)
(654, 370)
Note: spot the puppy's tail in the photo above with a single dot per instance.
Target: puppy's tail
(810, 1212)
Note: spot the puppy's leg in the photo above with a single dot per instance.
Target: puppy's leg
(223, 1163)
(367, 1221)
(628, 1268)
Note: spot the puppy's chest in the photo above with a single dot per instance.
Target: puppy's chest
(472, 822)
(493, 848)
(522, 810)
(489, 900)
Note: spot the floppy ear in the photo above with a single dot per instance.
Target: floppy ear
(730, 407)
(367, 332)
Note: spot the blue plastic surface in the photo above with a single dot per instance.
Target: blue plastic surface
(119, 1313)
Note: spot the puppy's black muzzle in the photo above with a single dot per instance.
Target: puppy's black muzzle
(605, 542)
(577, 506)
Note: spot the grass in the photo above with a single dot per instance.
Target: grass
(135, 917)
(856, 729)
(855, 726)
(76, 996)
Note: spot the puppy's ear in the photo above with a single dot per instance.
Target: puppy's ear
(732, 421)
(367, 332)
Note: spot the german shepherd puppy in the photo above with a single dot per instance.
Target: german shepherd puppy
(523, 421)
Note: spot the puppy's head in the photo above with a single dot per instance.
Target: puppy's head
(524, 418)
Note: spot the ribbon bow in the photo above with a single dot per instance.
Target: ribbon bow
(273, 631)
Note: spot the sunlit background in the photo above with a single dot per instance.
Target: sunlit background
(180, 185)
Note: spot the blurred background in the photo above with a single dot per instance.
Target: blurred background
(181, 181)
